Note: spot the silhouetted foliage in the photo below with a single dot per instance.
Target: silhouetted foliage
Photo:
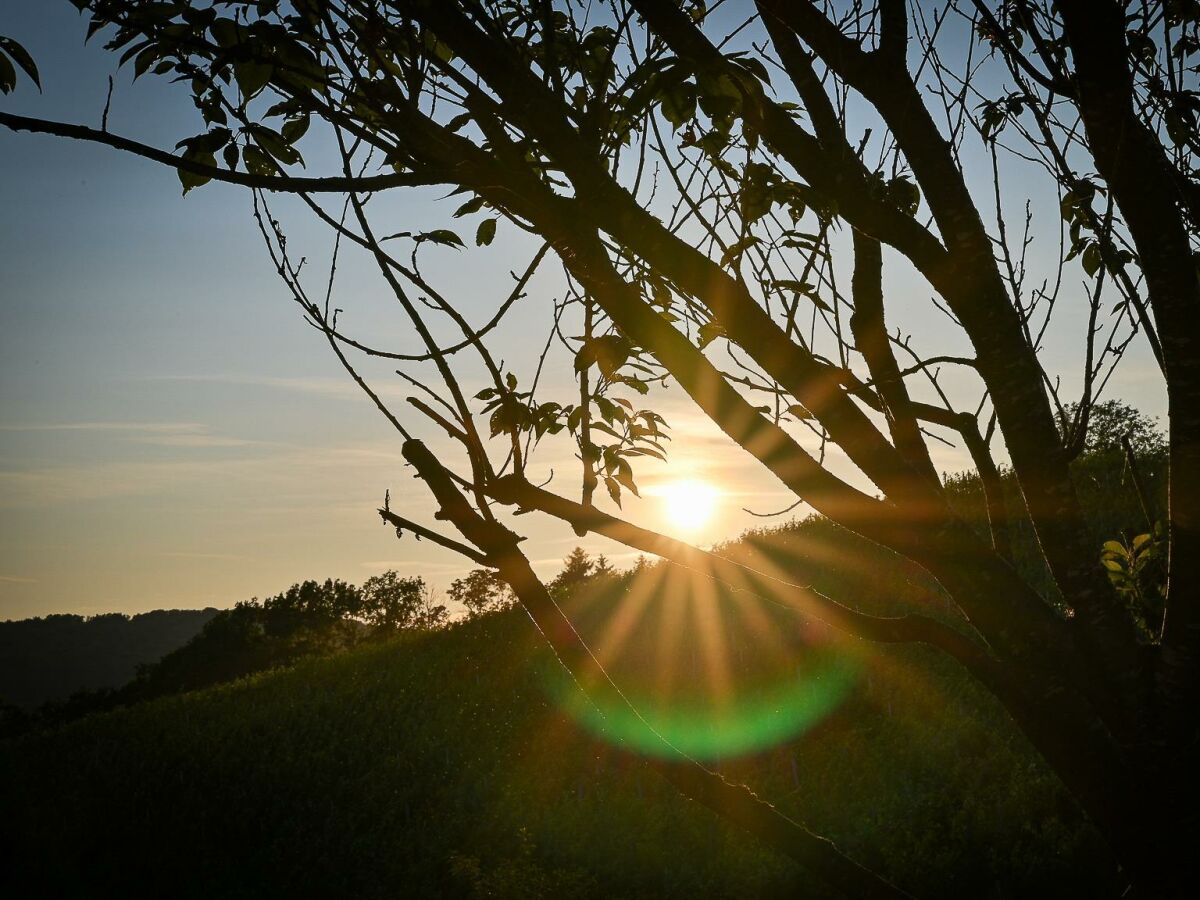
(51, 657)
(308, 619)
(577, 568)
(1112, 422)
(481, 591)
(390, 603)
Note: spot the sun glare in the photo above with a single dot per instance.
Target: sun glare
(688, 505)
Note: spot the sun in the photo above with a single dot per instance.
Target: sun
(688, 504)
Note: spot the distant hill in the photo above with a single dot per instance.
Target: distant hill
(52, 657)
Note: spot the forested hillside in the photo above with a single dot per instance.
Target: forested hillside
(52, 657)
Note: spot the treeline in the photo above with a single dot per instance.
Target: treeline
(307, 619)
(60, 668)
(311, 618)
(49, 658)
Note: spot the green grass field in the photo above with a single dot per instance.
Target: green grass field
(459, 763)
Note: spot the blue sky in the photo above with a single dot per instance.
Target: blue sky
(171, 433)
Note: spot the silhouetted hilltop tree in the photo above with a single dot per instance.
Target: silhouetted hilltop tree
(577, 568)
(308, 618)
(481, 591)
(312, 603)
(391, 603)
(602, 568)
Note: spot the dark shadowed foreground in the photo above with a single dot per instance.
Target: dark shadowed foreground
(458, 763)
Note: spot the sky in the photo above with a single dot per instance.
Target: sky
(173, 435)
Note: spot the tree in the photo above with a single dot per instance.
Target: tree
(1112, 423)
(577, 568)
(311, 604)
(391, 603)
(481, 591)
(708, 192)
(603, 568)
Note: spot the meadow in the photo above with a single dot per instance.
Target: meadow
(456, 763)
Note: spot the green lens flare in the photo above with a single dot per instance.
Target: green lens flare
(749, 721)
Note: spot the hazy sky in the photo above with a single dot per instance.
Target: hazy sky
(171, 433)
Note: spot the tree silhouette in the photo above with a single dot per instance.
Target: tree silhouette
(481, 591)
(577, 568)
(392, 603)
(709, 188)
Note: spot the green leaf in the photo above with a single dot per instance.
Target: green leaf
(294, 129)
(905, 194)
(227, 33)
(191, 180)
(1092, 259)
(257, 162)
(471, 206)
(485, 233)
(756, 68)
(210, 142)
(252, 76)
(614, 489)
(679, 104)
(737, 248)
(275, 145)
(755, 196)
(609, 352)
(22, 58)
(458, 122)
(1115, 547)
(438, 48)
(8, 75)
(142, 64)
(624, 475)
(443, 236)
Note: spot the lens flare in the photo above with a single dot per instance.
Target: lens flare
(703, 667)
(705, 730)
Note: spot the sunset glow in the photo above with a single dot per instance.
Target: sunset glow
(688, 504)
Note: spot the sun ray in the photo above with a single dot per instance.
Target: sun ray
(631, 608)
(672, 615)
(710, 630)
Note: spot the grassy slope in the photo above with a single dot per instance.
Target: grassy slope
(438, 766)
